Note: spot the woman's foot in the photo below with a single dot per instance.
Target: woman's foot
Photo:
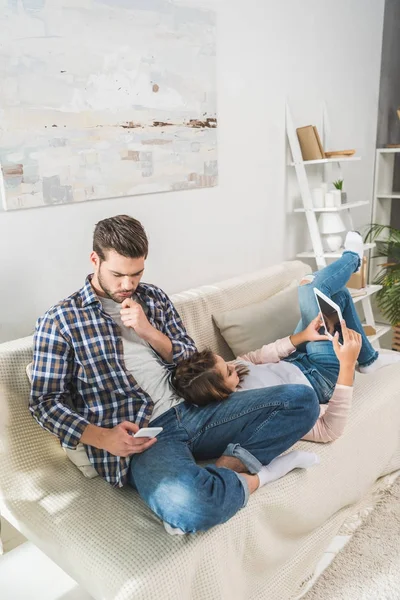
(280, 466)
(354, 243)
(384, 359)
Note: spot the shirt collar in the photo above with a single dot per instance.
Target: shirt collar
(87, 293)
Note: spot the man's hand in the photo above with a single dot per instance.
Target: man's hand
(310, 333)
(132, 315)
(119, 440)
(347, 353)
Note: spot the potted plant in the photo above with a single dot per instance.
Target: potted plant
(339, 186)
(388, 247)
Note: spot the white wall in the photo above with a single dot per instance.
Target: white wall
(268, 51)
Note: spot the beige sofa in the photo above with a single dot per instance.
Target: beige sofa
(117, 549)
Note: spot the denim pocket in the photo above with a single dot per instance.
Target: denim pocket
(322, 385)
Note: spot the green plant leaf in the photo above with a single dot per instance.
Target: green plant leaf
(338, 184)
(387, 241)
(388, 299)
(391, 234)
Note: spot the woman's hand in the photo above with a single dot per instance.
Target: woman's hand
(310, 333)
(347, 353)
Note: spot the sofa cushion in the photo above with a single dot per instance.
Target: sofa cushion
(197, 306)
(250, 327)
(77, 456)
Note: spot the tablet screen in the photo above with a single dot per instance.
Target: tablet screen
(330, 317)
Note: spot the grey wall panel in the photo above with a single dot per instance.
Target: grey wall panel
(388, 131)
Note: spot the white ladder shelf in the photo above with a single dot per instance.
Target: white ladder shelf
(310, 212)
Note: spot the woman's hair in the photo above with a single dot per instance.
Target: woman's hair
(197, 380)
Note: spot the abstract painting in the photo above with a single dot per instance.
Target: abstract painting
(105, 98)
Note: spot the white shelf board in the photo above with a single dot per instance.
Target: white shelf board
(388, 195)
(345, 206)
(337, 254)
(370, 290)
(387, 150)
(380, 331)
(324, 161)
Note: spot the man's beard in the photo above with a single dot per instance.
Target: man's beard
(109, 293)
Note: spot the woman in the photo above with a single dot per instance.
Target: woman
(306, 357)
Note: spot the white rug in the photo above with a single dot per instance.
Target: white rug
(369, 566)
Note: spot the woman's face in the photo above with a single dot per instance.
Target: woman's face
(228, 372)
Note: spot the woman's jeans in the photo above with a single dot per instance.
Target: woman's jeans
(253, 426)
(317, 360)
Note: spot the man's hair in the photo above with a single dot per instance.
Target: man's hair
(198, 382)
(123, 234)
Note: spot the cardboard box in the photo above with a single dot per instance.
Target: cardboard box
(369, 330)
(310, 143)
(359, 280)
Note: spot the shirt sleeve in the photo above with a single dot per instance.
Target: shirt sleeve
(270, 353)
(50, 398)
(182, 344)
(333, 416)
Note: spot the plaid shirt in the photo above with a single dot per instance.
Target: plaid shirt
(79, 376)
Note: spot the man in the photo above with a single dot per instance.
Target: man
(102, 364)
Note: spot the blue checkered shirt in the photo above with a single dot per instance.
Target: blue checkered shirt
(79, 376)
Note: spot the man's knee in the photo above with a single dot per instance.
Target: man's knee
(178, 505)
(306, 401)
(197, 503)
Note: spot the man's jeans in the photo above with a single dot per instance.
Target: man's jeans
(254, 426)
(317, 360)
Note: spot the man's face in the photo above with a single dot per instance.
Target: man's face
(116, 277)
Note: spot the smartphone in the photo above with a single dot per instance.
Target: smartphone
(331, 314)
(148, 432)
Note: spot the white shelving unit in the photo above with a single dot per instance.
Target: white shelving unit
(381, 329)
(383, 185)
(310, 211)
(325, 161)
(384, 196)
(330, 254)
(347, 206)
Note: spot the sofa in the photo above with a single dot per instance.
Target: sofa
(116, 549)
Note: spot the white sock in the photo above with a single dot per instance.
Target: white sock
(282, 465)
(173, 530)
(384, 359)
(354, 242)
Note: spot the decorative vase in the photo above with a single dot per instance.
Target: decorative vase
(332, 242)
(337, 198)
(318, 197)
(344, 196)
(329, 200)
(331, 227)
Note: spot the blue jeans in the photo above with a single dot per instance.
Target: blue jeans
(254, 426)
(317, 360)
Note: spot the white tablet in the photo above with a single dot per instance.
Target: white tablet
(331, 314)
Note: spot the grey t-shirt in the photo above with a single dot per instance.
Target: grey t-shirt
(144, 364)
(270, 374)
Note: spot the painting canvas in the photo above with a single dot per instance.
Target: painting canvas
(105, 98)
